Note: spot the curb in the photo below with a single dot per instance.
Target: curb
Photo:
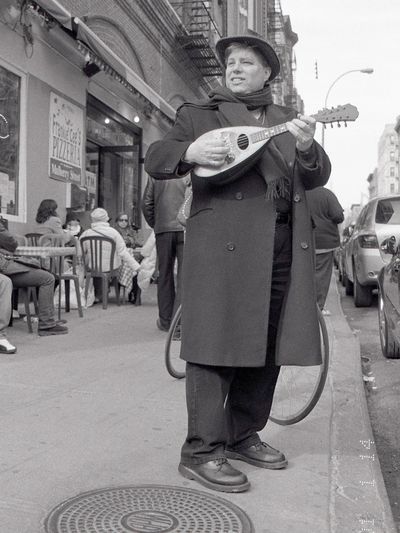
(358, 497)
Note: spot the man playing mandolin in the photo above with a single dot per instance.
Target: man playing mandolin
(248, 302)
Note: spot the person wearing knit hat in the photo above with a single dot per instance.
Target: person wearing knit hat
(248, 294)
(100, 226)
(99, 215)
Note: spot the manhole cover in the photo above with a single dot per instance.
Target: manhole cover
(147, 509)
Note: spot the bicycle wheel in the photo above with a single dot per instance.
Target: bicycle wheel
(175, 365)
(300, 387)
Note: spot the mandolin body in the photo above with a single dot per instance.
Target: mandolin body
(242, 145)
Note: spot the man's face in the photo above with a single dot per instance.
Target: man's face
(245, 72)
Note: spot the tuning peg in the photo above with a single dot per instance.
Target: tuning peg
(331, 124)
(345, 124)
(338, 124)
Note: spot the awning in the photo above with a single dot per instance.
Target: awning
(106, 55)
(57, 11)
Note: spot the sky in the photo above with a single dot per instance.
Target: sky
(343, 35)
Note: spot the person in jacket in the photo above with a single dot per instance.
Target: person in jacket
(5, 314)
(23, 275)
(326, 213)
(100, 226)
(160, 205)
(125, 229)
(48, 221)
(248, 296)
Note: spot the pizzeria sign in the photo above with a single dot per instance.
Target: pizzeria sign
(66, 140)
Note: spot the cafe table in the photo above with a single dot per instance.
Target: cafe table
(44, 252)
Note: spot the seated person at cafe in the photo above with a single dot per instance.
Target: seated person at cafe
(130, 236)
(5, 314)
(73, 225)
(48, 220)
(100, 226)
(127, 231)
(22, 275)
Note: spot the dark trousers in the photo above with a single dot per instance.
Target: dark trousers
(169, 247)
(323, 273)
(227, 406)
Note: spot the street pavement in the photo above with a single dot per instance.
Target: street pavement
(96, 409)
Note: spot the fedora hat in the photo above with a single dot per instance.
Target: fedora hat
(262, 46)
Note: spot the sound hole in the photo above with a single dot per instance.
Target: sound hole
(243, 141)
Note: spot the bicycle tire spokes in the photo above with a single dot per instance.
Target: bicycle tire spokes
(299, 387)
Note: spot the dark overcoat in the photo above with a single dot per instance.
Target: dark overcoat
(229, 250)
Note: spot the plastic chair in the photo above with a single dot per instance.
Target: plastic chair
(33, 238)
(29, 293)
(98, 258)
(21, 240)
(56, 267)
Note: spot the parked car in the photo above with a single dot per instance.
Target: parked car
(389, 301)
(378, 220)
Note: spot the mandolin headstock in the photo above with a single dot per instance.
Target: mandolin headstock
(343, 113)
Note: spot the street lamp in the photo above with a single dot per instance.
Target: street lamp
(362, 70)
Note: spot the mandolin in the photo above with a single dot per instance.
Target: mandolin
(246, 141)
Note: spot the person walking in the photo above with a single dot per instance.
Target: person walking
(326, 213)
(160, 206)
(248, 297)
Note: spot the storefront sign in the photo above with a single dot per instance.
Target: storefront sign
(66, 140)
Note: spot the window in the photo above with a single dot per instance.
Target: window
(12, 179)
(391, 172)
(388, 211)
(391, 156)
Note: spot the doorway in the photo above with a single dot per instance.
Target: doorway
(112, 161)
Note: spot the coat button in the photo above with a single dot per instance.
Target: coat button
(304, 245)
(239, 196)
(230, 246)
(296, 197)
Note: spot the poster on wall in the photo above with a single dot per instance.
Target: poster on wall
(91, 186)
(66, 140)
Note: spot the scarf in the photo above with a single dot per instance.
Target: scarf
(234, 110)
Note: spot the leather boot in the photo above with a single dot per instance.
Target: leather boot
(216, 475)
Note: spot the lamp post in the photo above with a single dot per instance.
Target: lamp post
(362, 70)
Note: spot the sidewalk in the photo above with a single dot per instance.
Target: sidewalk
(97, 409)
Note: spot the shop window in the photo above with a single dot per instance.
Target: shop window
(10, 126)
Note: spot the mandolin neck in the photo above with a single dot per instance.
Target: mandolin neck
(268, 133)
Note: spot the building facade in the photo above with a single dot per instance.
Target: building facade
(87, 85)
(387, 172)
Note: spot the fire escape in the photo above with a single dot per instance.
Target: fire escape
(199, 34)
(282, 37)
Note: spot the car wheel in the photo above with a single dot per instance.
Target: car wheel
(362, 294)
(390, 346)
(347, 284)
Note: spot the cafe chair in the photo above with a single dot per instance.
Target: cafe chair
(57, 267)
(33, 238)
(29, 293)
(98, 255)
